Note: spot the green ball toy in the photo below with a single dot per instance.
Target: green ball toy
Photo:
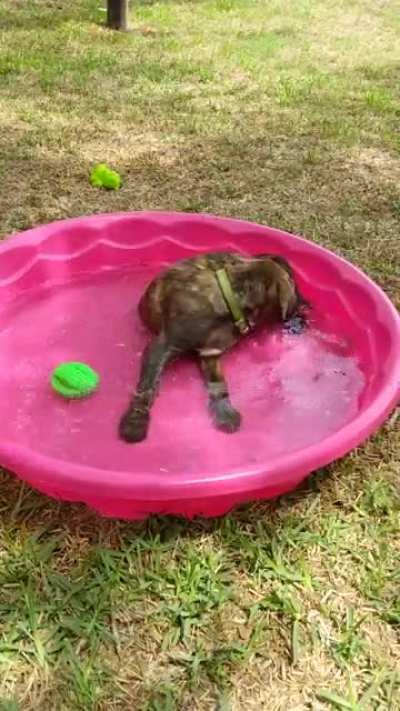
(74, 380)
(102, 176)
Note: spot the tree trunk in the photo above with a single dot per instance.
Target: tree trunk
(117, 14)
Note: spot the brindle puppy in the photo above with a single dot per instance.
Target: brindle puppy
(186, 310)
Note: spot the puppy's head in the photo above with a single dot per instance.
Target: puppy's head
(283, 285)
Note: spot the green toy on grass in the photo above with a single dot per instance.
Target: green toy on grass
(74, 380)
(102, 176)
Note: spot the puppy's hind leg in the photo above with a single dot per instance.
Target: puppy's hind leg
(225, 416)
(134, 423)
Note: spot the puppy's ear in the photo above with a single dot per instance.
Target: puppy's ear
(283, 263)
(287, 297)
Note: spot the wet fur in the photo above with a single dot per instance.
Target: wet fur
(187, 313)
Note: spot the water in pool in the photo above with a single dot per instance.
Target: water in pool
(293, 389)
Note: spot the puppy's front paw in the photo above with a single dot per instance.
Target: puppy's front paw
(134, 427)
(295, 325)
(226, 417)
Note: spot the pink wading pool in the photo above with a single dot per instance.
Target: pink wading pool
(69, 292)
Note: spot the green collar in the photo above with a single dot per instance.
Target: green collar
(232, 301)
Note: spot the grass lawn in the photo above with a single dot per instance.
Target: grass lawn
(285, 112)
